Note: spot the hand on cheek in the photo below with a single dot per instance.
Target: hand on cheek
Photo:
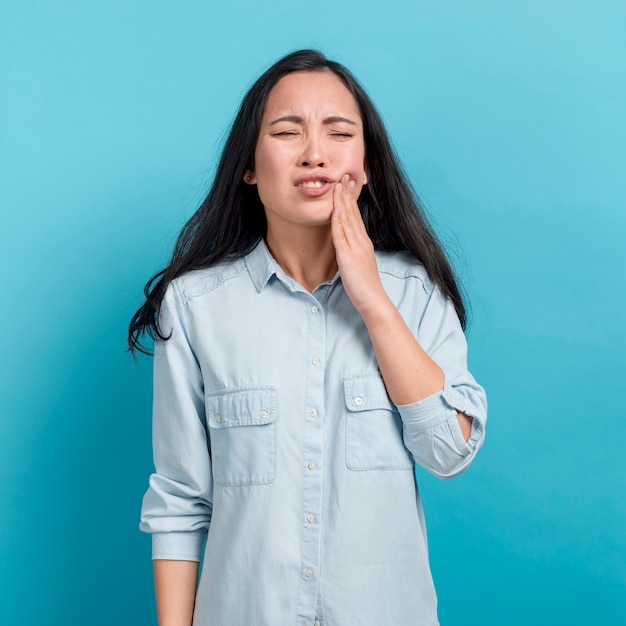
(354, 248)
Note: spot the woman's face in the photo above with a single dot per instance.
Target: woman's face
(311, 135)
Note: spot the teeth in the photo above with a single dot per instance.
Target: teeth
(314, 184)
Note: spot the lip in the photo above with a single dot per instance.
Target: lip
(327, 184)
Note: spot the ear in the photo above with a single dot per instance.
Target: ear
(249, 177)
(365, 173)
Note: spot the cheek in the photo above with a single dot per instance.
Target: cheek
(270, 165)
(360, 174)
(272, 188)
(358, 165)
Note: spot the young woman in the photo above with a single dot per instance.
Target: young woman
(309, 351)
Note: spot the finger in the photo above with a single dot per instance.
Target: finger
(344, 202)
(337, 198)
(353, 217)
(356, 221)
(345, 212)
(337, 217)
(346, 218)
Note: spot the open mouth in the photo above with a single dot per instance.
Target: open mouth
(313, 184)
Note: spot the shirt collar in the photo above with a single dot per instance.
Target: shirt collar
(261, 265)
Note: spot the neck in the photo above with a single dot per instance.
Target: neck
(306, 254)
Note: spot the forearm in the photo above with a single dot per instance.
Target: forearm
(410, 375)
(175, 588)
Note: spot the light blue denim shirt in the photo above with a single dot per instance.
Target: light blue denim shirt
(275, 440)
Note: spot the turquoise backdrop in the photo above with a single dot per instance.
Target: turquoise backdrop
(511, 120)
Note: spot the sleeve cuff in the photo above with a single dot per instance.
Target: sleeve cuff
(178, 546)
(433, 409)
(440, 407)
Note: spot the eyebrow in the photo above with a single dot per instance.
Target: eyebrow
(296, 119)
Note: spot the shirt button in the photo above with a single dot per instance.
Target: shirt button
(358, 400)
(314, 309)
(218, 417)
(310, 517)
(313, 413)
(308, 572)
(316, 623)
(263, 413)
(312, 465)
(315, 360)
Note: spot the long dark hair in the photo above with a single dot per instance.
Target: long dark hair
(231, 220)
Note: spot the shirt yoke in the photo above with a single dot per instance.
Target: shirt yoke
(400, 264)
(403, 265)
(200, 282)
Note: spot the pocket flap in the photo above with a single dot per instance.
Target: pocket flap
(364, 392)
(241, 406)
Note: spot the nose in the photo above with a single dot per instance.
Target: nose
(313, 154)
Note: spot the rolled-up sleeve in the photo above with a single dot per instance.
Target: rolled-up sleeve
(430, 427)
(177, 506)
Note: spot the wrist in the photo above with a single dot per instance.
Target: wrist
(378, 310)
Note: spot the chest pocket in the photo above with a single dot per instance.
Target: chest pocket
(373, 426)
(243, 435)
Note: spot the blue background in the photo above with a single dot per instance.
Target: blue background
(510, 119)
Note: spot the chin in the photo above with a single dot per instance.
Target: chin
(322, 219)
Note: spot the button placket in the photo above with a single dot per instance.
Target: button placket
(312, 459)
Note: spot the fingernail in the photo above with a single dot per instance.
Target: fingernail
(351, 186)
(339, 188)
(345, 179)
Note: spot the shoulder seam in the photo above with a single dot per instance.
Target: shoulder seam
(207, 285)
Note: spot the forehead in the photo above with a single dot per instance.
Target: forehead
(310, 93)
